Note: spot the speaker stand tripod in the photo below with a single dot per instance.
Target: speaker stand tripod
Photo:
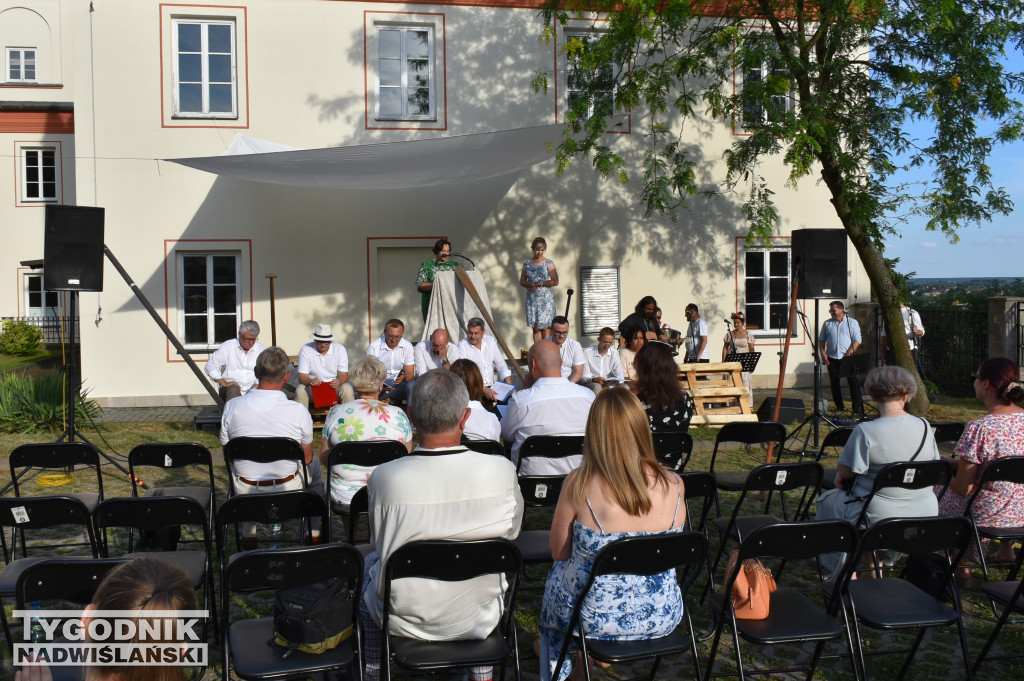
(816, 416)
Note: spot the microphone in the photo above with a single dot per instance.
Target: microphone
(728, 321)
(464, 257)
(800, 313)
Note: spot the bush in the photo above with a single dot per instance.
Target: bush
(20, 338)
(35, 404)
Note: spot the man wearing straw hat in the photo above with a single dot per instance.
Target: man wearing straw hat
(323, 361)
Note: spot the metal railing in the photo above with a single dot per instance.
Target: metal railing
(55, 329)
(1020, 332)
(955, 343)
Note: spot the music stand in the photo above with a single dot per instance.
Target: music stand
(749, 360)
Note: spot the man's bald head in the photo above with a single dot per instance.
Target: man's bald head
(439, 338)
(545, 360)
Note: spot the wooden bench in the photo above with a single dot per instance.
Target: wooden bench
(718, 383)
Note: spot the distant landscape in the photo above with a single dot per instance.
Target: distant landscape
(937, 286)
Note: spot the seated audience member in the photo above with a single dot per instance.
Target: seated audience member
(231, 365)
(399, 359)
(668, 406)
(482, 424)
(618, 491)
(323, 361)
(441, 491)
(143, 584)
(569, 349)
(632, 341)
(267, 412)
(436, 352)
(550, 406)
(483, 351)
(602, 364)
(361, 420)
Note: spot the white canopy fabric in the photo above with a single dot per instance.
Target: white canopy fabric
(416, 163)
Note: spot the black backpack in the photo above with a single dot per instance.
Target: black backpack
(312, 619)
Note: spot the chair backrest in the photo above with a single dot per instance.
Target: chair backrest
(909, 475)
(168, 455)
(835, 439)
(151, 513)
(454, 561)
(549, 447)
(673, 449)
(1005, 469)
(32, 513)
(947, 432)
(699, 485)
(486, 447)
(265, 450)
(541, 490)
(59, 579)
(799, 541)
(650, 554)
(802, 476)
(369, 453)
(55, 455)
(292, 567)
(273, 507)
(749, 433)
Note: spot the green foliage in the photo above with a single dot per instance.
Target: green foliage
(35, 403)
(973, 298)
(20, 337)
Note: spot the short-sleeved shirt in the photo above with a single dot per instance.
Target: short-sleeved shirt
(694, 331)
(324, 366)
(572, 355)
(361, 421)
(265, 413)
(602, 366)
(394, 360)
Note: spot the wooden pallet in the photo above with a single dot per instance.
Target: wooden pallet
(718, 383)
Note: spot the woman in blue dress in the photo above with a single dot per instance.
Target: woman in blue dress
(538, 277)
(619, 490)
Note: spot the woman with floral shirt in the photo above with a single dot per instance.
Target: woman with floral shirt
(363, 419)
(425, 277)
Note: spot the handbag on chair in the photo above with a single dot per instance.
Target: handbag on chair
(752, 588)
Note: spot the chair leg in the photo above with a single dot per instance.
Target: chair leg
(913, 651)
(7, 628)
(964, 651)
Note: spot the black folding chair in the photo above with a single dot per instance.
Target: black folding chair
(908, 475)
(453, 561)
(673, 449)
(947, 432)
(745, 433)
(174, 456)
(996, 474)
(263, 450)
(245, 644)
(800, 477)
(1010, 595)
(834, 441)
(360, 454)
(699, 486)
(891, 603)
(540, 491)
(643, 556)
(485, 446)
(38, 513)
(793, 617)
(154, 514)
(553, 448)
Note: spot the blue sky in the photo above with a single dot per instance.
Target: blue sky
(993, 250)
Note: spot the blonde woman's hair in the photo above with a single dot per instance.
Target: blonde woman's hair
(618, 450)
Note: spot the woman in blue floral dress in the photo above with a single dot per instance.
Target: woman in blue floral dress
(363, 419)
(638, 497)
(538, 277)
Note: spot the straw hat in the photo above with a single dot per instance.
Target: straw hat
(323, 333)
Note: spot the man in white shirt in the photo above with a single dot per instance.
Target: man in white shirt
(323, 361)
(399, 358)
(485, 353)
(912, 327)
(231, 365)
(436, 352)
(550, 406)
(440, 491)
(569, 350)
(266, 412)
(696, 336)
(602, 364)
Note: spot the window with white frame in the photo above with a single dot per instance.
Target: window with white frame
(600, 80)
(405, 73)
(766, 287)
(38, 301)
(767, 93)
(21, 65)
(209, 298)
(39, 174)
(204, 66)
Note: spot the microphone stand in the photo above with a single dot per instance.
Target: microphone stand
(464, 257)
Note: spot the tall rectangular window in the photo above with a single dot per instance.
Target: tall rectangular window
(766, 287)
(21, 65)
(767, 94)
(209, 291)
(405, 73)
(599, 80)
(38, 174)
(205, 84)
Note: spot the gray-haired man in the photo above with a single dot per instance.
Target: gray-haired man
(232, 366)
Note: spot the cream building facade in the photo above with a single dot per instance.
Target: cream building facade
(96, 96)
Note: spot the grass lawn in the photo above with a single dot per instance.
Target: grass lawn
(938, 658)
(14, 361)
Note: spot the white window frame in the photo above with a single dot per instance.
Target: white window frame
(405, 30)
(42, 310)
(21, 52)
(205, 82)
(211, 342)
(784, 102)
(781, 305)
(29, 164)
(567, 64)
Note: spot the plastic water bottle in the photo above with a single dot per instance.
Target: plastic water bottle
(276, 530)
(36, 629)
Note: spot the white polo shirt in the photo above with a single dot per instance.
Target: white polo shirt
(265, 413)
(232, 363)
(324, 366)
(394, 360)
(572, 355)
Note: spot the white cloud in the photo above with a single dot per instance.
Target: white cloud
(929, 244)
(1001, 240)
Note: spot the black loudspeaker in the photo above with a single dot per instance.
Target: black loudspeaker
(791, 410)
(820, 263)
(73, 250)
